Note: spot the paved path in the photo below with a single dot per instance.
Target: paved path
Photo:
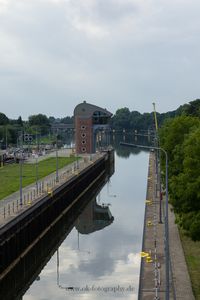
(181, 277)
(11, 206)
(152, 274)
(61, 153)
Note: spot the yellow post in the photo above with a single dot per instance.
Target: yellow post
(155, 116)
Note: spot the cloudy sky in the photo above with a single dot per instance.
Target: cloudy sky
(113, 53)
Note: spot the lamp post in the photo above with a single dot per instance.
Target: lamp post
(20, 168)
(166, 212)
(57, 178)
(36, 174)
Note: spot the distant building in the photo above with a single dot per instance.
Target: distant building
(61, 127)
(89, 120)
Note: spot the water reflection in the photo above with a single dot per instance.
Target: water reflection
(94, 217)
(102, 257)
(128, 137)
(17, 281)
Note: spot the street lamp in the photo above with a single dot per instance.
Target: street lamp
(57, 178)
(36, 175)
(20, 169)
(166, 211)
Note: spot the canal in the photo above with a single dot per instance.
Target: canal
(99, 258)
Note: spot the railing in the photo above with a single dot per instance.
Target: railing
(9, 208)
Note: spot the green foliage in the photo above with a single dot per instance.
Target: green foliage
(195, 229)
(40, 121)
(191, 109)
(172, 136)
(192, 255)
(134, 120)
(67, 120)
(19, 121)
(121, 119)
(3, 119)
(180, 137)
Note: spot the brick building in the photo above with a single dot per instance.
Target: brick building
(89, 119)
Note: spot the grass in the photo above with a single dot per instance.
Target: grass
(192, 256)
(9, 175)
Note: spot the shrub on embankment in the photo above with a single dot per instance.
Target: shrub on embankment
(180, 137)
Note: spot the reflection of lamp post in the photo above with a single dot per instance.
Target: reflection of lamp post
(79, 242)
(67, 288)
(166, 212)
(108, 192)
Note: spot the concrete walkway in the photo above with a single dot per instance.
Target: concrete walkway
(152, 273)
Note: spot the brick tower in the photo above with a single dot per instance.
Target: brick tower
(88, 120)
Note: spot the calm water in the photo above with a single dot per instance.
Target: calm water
(103, 253)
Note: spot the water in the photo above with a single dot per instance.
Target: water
(103, 259)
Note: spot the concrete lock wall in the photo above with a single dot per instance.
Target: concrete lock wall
(30, 265)
(17, 235)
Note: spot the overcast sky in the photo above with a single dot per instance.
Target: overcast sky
(113, 53)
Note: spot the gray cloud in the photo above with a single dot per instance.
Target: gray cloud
(114, 53)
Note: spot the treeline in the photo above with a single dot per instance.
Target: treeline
(134, 120)
(36, 124)
(180, 137)
(122, 119)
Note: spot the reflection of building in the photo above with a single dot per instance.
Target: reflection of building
(88, 120)
(94, 217)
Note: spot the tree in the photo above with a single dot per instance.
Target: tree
(121, 119)
(191, 109)
(51, 120)
(180, 137)
(3, 119)
(39, 120)
(67, 120)
(19, 121)
(172, 135)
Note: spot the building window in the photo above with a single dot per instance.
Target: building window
(83, 149)
(83, 127)
(83, 135)
(83, 142)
